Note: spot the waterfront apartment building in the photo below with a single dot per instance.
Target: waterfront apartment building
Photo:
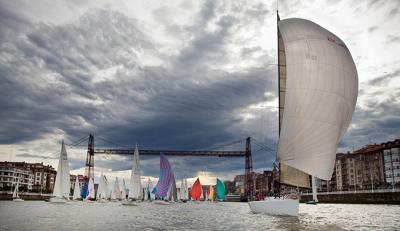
(11, 176)
(81, 180)
(371, 167)
(391, 158)
(230, 187)
(43, 175)
(264, 181)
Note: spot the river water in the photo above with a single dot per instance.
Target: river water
(37, 215)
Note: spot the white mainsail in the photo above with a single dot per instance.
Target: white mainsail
(91, 194)
(62, 184)
(150, 188)
(116, 194)
(123, 189)
(100, 186)
(15, 194)
(320, 86)
(135, 186)
(102, 189)
(106, 188)
(184, 190)
(77, 190)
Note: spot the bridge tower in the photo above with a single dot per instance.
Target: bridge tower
(89, 170)
(248, 176)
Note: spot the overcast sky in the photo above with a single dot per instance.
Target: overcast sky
(175, 75)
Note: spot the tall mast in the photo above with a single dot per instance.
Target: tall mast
(279, 95)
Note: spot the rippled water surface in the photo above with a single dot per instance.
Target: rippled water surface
(36, 215)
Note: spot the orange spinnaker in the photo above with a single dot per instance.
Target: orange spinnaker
(196, 190)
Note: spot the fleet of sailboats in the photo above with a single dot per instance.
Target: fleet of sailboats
(164, 192)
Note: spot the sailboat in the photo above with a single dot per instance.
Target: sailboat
(210, 193)
(174, 193)
(16, 197)
(102, 190)
(147, 196)
(90, 191)
(123, 190)
(116, 192)
(184, 191)
(196, 191)
(135, 186)
(318, 87)
(220, 190)
(164, 181)
(62, 185)
(77, 190)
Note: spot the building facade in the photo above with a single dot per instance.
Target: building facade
(391, 158)
(81, 180)
(371, 167)
(11, 177)
(43, 175)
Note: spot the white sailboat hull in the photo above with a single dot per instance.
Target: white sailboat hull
(286, 207)
(18, 200)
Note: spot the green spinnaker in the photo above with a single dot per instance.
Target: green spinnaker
(220, 190)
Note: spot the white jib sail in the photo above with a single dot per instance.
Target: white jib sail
(320, 96)
(62, 184)
(77, 190)
(135, 186)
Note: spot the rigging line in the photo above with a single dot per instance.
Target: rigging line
(263, 145)
(78, 144)
(223, 145)
(112, 142)
(79, 141)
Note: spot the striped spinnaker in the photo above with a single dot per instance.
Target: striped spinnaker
(165, 180)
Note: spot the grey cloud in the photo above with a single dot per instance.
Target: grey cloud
(48, 83)
(40, 157)
(393, 12)
(393, 39)
(385, 78)
(372, 29)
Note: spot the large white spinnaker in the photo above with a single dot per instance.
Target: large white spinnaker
(318, 88)
(62, 185)
(77, 190)
(320, 94)
(135, 185)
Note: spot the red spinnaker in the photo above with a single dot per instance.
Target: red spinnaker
(195, 193)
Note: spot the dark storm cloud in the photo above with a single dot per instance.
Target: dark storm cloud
(378, 121)
(55, 77)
